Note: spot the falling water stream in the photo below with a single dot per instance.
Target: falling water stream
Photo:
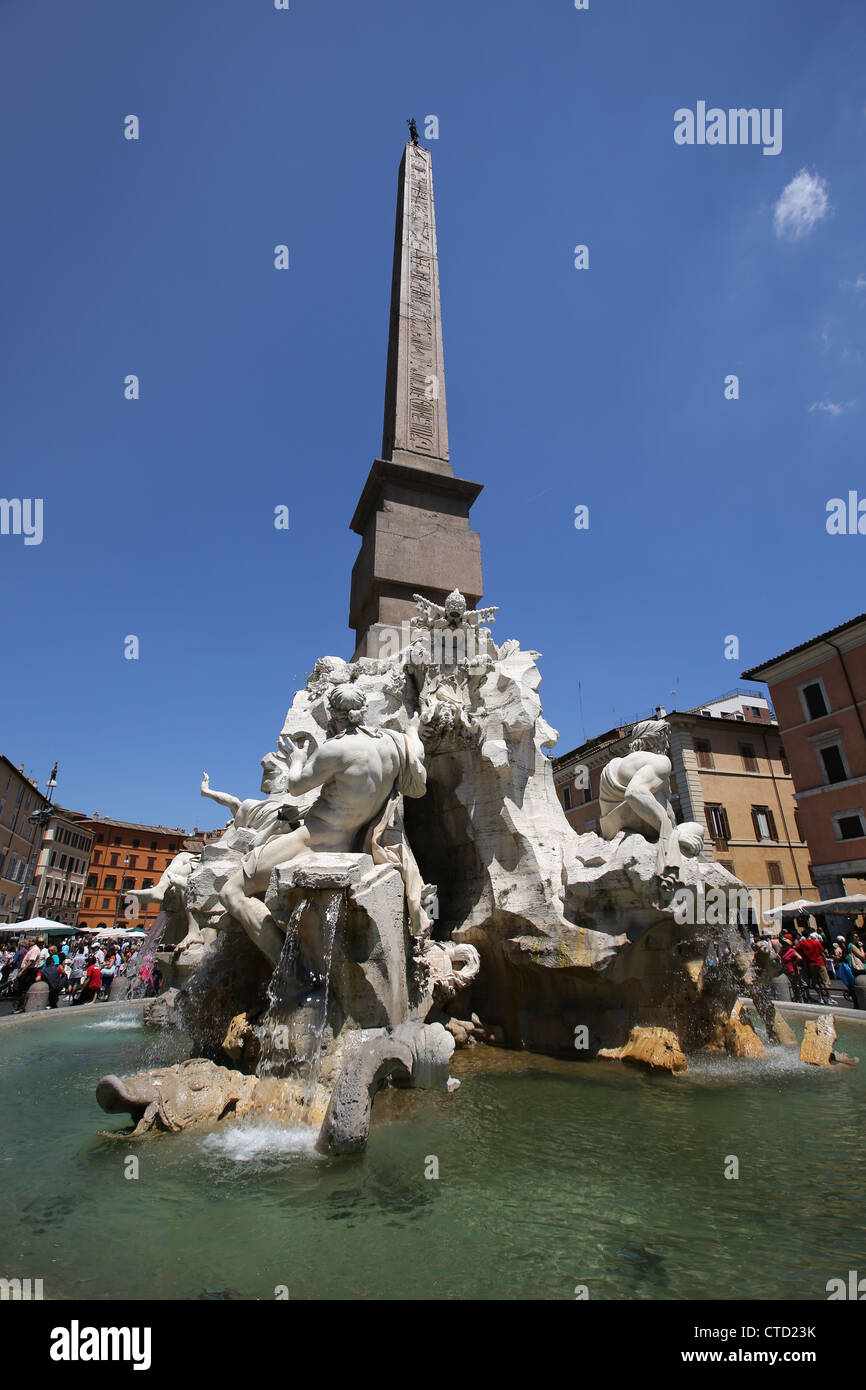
(292, 1033)
(331, 918)
(144, 958)
(282, 995)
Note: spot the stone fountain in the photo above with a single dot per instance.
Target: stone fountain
(410, 882)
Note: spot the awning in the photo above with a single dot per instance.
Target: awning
(41, 926)
(794, 909)
(849, 906)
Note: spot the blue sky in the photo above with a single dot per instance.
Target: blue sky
(602, 387)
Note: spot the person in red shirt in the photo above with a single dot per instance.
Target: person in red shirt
(91, 984)
(795, 969)
(812, 951)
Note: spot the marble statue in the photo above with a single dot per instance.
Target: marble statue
(410, 880)
(634, 791)
(356, 769)
(453, 613)
(276, 813)
(448, 660)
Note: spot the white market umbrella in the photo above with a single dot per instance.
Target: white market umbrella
(794, 909)
(854, 903)
(37, 925)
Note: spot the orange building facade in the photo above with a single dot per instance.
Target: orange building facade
(819, 692)
(124, 855)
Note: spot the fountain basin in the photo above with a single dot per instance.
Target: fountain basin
(551, 1173)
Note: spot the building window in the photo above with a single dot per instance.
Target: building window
(148, 883)
(97, 855)
(717, 823)
(153, 844)
(774, 871)
(135, 844)
(783, 757)
(587, 795)
(814, 700)
(86, 902)
(132, 860)
(747, 753)
(151, 863)
(764, 823)
(849, 825)
(113, 860)
(128, 883)
(105, 904)
(566, 798)
(116, 840)
(727, 864)
(833, 763)
(704, 751)
(110, 883)
(91, 880)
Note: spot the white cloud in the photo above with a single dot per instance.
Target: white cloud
(833, 408)
(858, 284)
(801, 204)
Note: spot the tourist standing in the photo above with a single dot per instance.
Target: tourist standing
(812, 951)
(55, 980)
(77, 967)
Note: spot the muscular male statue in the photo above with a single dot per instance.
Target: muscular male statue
(357, 769)
(634, 792)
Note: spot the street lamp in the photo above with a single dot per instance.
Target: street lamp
(121, 892)
(40, 819)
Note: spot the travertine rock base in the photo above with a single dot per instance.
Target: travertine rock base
(656, 1048)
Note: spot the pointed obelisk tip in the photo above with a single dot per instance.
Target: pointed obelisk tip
(413, 130)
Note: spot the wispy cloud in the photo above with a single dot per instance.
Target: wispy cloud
(801, 205)
(833, 408)
(857, 285)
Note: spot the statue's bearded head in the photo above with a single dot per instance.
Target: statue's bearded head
(650, 736)
(347, 706)
(455, 606)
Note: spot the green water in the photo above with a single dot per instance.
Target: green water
(551, 1175)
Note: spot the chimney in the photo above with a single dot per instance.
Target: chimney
(660, 711)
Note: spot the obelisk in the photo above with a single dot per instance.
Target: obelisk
(413, 515)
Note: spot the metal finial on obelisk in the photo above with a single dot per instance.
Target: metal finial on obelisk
(413, 130)
(415, 429)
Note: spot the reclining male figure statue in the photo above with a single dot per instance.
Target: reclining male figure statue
(357, 768)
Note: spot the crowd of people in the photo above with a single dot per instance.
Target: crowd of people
(810, 957)
(77, 970)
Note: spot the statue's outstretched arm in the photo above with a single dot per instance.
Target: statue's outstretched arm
(224, 798)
